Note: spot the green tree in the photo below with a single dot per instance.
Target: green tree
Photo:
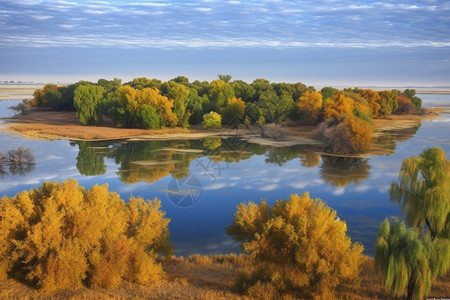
(328, 92)
(298, 243)
(243, 90)
(147, 118)
(225, 78)
(180, 95)
(423, 190)
(388, 102)
(89, 161)
(233, 113)
(411, 94)
(412, 258)
(87, 100)
(253, 112)
(212, 120)
(410, 261)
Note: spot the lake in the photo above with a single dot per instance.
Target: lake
(200, 182)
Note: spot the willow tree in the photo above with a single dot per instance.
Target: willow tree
(412, 258)
(423, 189)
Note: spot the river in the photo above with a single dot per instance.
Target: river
(200, 182)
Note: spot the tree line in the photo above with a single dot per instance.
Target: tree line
(61, 236)
(153, 104)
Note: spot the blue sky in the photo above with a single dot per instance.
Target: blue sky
(315, 42)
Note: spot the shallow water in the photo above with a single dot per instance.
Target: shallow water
(200, 182)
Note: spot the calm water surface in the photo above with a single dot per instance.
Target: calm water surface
(200, 182)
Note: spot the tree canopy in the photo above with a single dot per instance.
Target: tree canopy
(62, 236)
(298, 243)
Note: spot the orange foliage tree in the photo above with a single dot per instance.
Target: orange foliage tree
(373, 99)
(350, 136)
(61, 236)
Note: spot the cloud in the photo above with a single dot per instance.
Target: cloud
(231, 24)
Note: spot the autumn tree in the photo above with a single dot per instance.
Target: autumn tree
(233, 113)
(404, 105)
(373, 100)
(337, 106)
(298, 243)
(62, 236)
(218, 94)
(411, 94)
(388, 102)
(412, 258)
(145, 108)
(349, 136)
(310, 104)
(87, 100)
(180, 96)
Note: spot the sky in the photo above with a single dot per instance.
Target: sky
(323, 42)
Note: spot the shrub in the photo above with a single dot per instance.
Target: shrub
(352, 135)
(212, 121)
(61, 236)
(299, 244)
(404, 106)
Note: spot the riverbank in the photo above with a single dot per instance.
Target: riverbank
(51, 125)
(207, 277)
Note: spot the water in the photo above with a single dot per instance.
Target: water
(200, 182)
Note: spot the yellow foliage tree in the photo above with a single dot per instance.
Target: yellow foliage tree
(299, 243)
(373, 99)
(310, 104)
(132, 101)
(63, 237)
(351, 135)
(337, 106)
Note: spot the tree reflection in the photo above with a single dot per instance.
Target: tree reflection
(309, 159)
(281, 155)
(19, 161)
(90, 161)
(341, 171)
(386, 141)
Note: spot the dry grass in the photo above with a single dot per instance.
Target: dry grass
(207, 277)
(42, 123)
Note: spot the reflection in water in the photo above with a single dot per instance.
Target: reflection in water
(19, 161)
(386, 142)
(89, 160)
(341, 171)
(309, 159)
(149, 161)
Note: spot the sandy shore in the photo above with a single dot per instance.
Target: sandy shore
(51, 125)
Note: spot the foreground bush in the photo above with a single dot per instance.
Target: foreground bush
(61, 236)
(298, 244)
